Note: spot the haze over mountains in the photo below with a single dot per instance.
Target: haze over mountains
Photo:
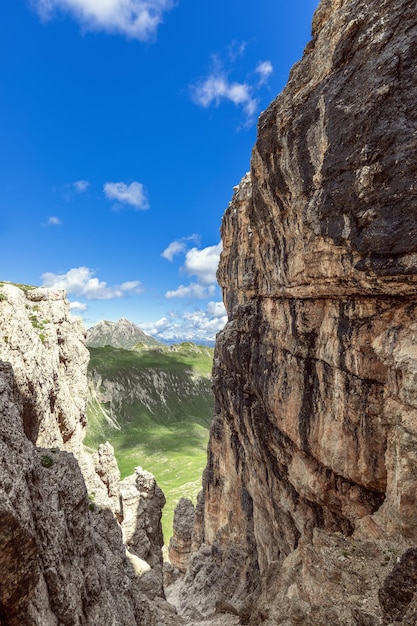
(126, 334)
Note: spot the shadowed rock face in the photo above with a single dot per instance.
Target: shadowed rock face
(315, 432)
(180, 544)
(62, 557)
(399, 588)
(60, 562)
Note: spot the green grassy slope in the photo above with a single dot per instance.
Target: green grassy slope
(155, 407)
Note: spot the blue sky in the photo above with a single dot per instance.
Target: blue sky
(124, 125)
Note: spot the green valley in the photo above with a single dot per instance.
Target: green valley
(154, 404)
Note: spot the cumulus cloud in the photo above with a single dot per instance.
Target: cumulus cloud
(198, 325)
(174, 248)
(264, 69)
(78, 306)
(54, 221)
(216, 87)
(136, 19)
(133, 195)
(80, 281)
(194, 290)
(217, 310)
(203, 263)
(199, 263)
(177, 247)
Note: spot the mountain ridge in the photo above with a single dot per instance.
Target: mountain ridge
(121, 334)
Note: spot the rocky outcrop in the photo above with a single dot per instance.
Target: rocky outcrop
(62, 560)
(45, 344)
(46, 347)
(143, 501)
(106, 468)
(180, 544)
(62, 556)
(310, 488)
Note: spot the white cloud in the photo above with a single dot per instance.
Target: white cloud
(216, 310)
(54, 221)
(194, 290)
(199, 263)
(133, 194)
(136, 19)
(217, 87)
(178, 247)
(81, 185)
(81, 281)
(78, 306)
(203, 263)
(197, 325)
(264, 69)
(69, 190)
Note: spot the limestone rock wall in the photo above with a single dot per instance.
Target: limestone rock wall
(310, 488)
(62, 561)
(62, 556)
(45, 344)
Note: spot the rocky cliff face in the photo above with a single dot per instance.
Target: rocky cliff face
(310, 488)
(62, 558)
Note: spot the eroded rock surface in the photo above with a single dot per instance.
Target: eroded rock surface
(46, 346)
(61, 562)
(310, 488)
(180, 544)
(142, 508)
(62, 557)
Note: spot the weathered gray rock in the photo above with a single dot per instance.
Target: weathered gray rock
(313, 444)
(180, 543)
(62, 557)
(142, 502)
(61, 563)
(46, 346)
(107, 470)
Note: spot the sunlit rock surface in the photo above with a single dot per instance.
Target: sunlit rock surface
(62, 557)
(310, 492)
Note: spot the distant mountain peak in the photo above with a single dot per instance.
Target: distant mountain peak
(122, 334)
